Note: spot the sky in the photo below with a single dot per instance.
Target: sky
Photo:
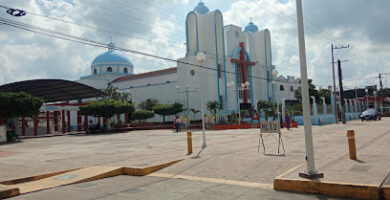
(157, 27)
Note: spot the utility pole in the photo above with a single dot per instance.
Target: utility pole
(310, 167)
(334, 81)
(341, 92)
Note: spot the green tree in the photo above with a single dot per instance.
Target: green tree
(163, 110)
(148, 104)
(114, 93)
(107, 108)
(177, 108)
(167, 109)
(312, 92)
(213, 106)
(19, 104)
(325, 93)
(141, 115)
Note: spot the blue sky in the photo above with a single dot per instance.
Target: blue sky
(157, 27)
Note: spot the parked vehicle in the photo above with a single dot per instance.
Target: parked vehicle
(370, 114)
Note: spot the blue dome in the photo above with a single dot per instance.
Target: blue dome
(111, 57)
(251, 27)
(201, 8)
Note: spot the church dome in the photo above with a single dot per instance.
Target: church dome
(111, 57)
(201, 8)
(112, 63)
(251, 27)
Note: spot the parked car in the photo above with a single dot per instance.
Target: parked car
(370, 114)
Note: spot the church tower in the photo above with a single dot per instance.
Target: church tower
(205, 35)
(220, 59)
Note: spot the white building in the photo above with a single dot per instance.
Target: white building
(285, 87)
(217, 56)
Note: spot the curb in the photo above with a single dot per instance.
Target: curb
(15, 187)
(6, 192)
(350, 190)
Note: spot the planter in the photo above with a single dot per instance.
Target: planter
(232, 126)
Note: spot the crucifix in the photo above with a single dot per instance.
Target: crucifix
(243, 65)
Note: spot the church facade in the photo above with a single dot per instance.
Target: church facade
(222, 63)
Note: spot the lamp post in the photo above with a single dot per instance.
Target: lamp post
(310, 166)
(201, 57)
(275, 73)
(376, 106)
(187, 90)
(242, 87)
(366, 90)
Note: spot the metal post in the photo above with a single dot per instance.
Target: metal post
(47, 122)
(63, 121)
(310, 167)
(68, 113)
(239, 113)
(334, 89)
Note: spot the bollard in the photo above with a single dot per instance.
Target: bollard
(189, 142)
(351, 144)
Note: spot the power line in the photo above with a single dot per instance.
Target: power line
(90, 42)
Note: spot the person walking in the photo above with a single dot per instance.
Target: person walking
(175, 124)
(178, 124)
(287, 118)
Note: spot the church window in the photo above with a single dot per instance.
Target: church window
(109, 69)
(292, 88)
(125, 70)
(94, 71)
(281, 87)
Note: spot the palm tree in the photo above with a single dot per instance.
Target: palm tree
(212, 106)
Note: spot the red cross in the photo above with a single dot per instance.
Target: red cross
(244, 64)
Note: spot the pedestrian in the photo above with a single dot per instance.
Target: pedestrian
(287, 118)
(178, 122)
(175, 124)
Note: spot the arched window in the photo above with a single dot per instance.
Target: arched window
(125, 70)
(94, 71)
(109, 69)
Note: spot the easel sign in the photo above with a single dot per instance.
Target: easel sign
(271, 128)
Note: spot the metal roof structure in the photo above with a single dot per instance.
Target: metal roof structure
(53, 90)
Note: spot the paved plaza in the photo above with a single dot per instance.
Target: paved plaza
(229, 168)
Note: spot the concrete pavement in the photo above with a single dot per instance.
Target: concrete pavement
(230, 163)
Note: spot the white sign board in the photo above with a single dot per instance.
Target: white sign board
(270, 127)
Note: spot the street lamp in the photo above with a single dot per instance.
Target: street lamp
(204, 145)
(375, 100)
(187, 90)
(310, 166)
(201, 57)
(14, 12)
(366, 90)
(242, 87)
(275, 73)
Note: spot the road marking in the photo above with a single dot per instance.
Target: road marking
(214, 180)
(290, 170)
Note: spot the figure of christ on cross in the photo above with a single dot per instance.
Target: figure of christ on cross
(243, 65)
